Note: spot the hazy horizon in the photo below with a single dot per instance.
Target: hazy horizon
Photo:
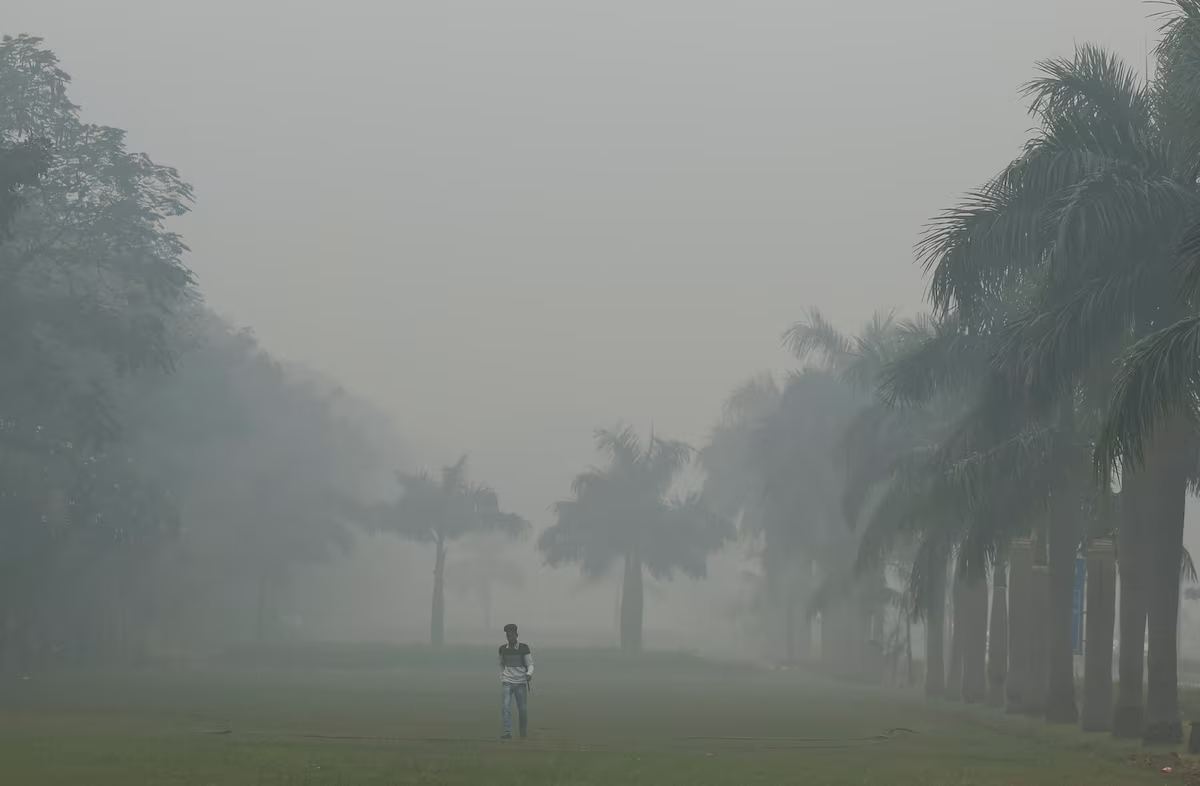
(507, 224)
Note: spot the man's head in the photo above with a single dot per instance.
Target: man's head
(510, 632)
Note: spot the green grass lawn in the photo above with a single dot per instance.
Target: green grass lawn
(388, 717)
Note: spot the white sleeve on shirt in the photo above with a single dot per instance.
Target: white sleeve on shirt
(529, 665)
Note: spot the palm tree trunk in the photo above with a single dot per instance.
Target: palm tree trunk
(797, 625)
(1170, 468)
(1170, 458)
(935, 636)
(842, 642)
(861, 630)
(437, 617)
(790, 627)
(974, 645)
(875, 662)
(1162, 724)
(997, 657)
(1020, 577)
(1098, 654)
(954, 675)
(908, 671)
(803, 635)
(856, 631)
(1033, 693)
(1064, 546)
(1133, 563)
(632, 604)
(617, 613)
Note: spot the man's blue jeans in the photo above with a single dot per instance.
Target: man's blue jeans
(520, 694)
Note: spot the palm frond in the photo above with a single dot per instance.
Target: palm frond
(1096, 118)
(490, 517)
(973, 250)
(1047, 349)
(1177, 82)
(689, 532)
(621, 444)
(751, 399)
(1094, 83)
(817, 336)
(584, 482)
(664, 460)
(577, 537)
(938, 362)
(1116, 213)
(622, 511)
(985, 478)
(873, 443)
(868, 458)
(1188, 266)
(874, 348)
(896, 518)
(1159, 376)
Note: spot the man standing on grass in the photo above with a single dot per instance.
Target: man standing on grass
(516, 677)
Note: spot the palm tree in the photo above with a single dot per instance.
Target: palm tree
(801, 524)
(624, 512)
(771, 465)
(441, 511)
(736, 487)
(1091, 217)
(896, 494)
(984, 466)
(886, 499)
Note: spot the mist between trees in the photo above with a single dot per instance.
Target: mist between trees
(910, 501)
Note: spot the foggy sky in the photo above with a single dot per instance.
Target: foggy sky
(508, 223)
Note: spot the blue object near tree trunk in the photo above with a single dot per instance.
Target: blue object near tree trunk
(1077, 606)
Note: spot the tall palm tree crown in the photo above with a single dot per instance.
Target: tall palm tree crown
(625, 512)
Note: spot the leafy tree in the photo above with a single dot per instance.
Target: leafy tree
(91, 271)
(624, 512)
(21, 166)
(440, 511)
(89, 275)
(253, 464)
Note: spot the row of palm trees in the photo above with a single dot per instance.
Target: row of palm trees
(623, 513)
(1047, 403)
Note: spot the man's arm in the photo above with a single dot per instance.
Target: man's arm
(529, 665)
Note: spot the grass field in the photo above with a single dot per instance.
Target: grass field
(389, 717)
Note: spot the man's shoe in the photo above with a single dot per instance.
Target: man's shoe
(506, 736)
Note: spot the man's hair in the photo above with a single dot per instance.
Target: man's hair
(510, 628)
